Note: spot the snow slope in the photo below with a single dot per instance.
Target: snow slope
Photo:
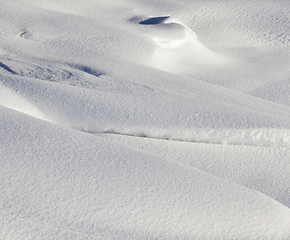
(144, 119)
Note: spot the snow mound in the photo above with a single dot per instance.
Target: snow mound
(75, 182)
(178, 48)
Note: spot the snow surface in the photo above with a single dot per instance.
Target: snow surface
(144, 119)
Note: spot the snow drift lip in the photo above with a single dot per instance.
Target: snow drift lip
(178, 48)
(246, 137)
(154, 20)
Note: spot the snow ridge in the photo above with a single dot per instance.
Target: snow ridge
(246, 137)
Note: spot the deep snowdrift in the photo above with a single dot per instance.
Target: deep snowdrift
(144, 119)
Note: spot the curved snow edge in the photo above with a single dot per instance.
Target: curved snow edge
(11, 99)
(247, 137)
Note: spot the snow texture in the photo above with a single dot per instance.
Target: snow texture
(144, 119)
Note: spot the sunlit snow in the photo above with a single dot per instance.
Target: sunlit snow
(142, 119)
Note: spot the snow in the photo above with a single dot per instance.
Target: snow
(144, 119)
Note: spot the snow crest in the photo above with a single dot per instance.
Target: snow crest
(178, 49)
(247, 137)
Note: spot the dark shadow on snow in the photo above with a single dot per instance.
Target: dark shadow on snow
(154, 20)
(89, 70)
(7, 68)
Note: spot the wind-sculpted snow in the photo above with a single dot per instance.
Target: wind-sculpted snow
(32, 70)
(144, 119)
(253, 137)
(178, 49)
(246, 137)
(78, 185)
(263, 168)
(97, 110)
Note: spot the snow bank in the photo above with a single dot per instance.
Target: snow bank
(77, 185)
(110, 102)
(263, 168)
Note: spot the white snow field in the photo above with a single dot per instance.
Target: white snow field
(142, 119)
